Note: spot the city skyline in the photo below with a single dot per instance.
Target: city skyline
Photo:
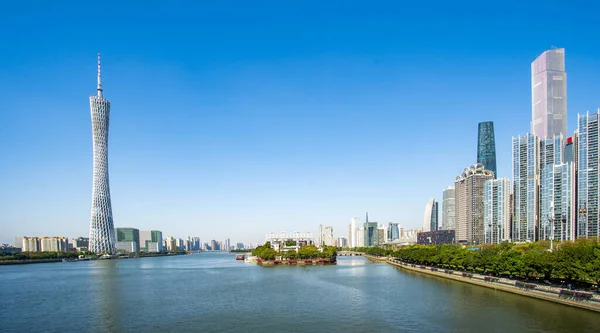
(306, 133)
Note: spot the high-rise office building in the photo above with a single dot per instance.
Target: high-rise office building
(430, 219)
(570, 150)
(552, 151)
(393, 232)
(496, 206)
(371, 234)
(549, 94)
(486, 146)
(557, 202)
(381, 235)
(353, 237)
(360, 236)
(469, 206)
(526, 166)
(587, 176)
(448, 215)
(320, 236)
(102, 232)
(328, 238)
(128, 239)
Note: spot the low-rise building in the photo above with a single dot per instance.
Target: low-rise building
(438, 237)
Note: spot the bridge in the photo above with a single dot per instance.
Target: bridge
(349, 253)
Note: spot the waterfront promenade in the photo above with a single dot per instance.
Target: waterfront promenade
(583, 300)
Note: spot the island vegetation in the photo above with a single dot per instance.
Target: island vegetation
(576, 263)
(265, 252)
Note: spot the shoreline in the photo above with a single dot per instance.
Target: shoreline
(541, 295)
(53, 260)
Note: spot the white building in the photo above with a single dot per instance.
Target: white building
(526, 179)
(353, 237)
(549, 94)
(496, 205)
(360, 237)
(328, 238)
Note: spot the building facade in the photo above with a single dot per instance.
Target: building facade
(448, 214)
(353, 237)
(549, 94)
(587, 176)
(102, 233)
(496, 205)
(371, 234)
(486, 146)
(557, 216)
(469, 204)
(328, 238)
(430, 219)
(526, 178)
(393, 232)
(128, 239)
(438, 237)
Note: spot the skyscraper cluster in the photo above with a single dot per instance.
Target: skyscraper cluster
(371, 233)
(554, 188)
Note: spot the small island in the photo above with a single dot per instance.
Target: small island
(293, 254)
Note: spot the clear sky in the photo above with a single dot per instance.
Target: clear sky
(237, 118)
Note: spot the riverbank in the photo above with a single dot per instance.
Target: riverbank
(556, 295)
(53, 260)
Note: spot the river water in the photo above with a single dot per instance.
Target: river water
(213, 292)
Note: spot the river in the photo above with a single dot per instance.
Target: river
(213, 292)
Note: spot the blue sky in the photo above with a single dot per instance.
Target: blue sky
(236, 118)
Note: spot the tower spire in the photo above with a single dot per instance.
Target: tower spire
(367, 218)
(99, 79)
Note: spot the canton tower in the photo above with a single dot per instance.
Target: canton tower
(102, 232)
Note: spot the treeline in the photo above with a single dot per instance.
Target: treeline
(40, 255)
(265, 252)
(575, 262)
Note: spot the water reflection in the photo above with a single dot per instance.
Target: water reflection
(106, 295)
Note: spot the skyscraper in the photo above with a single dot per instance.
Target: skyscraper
(102, 232)
(353, 237)
(469, 198)
(557, 192)
(393, 232)
(486, 146)
(496, 205)
(549, 94)
(430, 219)
(588, 219)
(371, 234)
(526, 180)
(448, 214)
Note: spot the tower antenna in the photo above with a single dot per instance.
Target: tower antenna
(99, 79)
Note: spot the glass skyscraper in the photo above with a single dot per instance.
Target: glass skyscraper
(525, 173)
(587, 176)
(430, 219)
(486, 146)
(393, 232)
(549, 94)
(557, 213)
(371, 235)
(448, 209)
